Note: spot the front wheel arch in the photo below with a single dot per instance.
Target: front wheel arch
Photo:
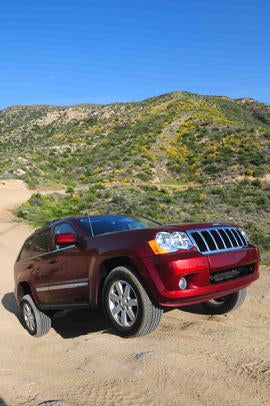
(108, 266)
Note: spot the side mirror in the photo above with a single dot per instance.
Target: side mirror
(65, 239)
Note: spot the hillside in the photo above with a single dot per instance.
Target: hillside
(178, 157)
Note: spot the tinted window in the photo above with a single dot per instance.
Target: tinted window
(109, 224)
(40, 244)
(64, 228)
(26, 251)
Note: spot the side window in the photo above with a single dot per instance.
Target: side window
(40, 245)
(26, 251)
(63, 228)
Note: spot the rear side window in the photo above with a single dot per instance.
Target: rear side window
(26, 251)
(41, 243)
(64, 228)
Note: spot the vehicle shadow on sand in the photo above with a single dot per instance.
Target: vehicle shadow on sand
(10, 304)
(2, 403)
(195, 309)
(74, 323)
(68, 323)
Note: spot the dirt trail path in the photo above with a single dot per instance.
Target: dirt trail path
(193, 359)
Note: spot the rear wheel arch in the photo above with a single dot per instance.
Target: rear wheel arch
(22, 290)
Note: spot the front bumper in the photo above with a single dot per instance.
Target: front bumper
(167, 269)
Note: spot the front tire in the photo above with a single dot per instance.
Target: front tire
(36, 322)
(225, 304)
(127, 305)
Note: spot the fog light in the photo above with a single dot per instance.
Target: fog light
(182, 283)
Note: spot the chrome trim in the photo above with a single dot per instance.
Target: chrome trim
(235, 239)
(63, 249)
(64, 286)
(48, 253)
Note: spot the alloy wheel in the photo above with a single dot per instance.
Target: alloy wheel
(123, 303)
(29, 317)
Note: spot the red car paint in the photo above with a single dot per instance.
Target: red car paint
(65, 276)
(84, 264)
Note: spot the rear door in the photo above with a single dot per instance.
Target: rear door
(37, 265)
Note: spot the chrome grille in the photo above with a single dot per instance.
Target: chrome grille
(217, 239)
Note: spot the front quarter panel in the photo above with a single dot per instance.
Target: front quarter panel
(161, 273)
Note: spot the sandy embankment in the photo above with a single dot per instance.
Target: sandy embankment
(193, 359)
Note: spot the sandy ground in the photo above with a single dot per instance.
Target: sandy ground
(192, 359)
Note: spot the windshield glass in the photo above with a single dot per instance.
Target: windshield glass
(113, 223)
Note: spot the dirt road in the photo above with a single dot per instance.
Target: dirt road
(192, 359)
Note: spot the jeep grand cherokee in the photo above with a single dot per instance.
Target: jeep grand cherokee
(135, 270)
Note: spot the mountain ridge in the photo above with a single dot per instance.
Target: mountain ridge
(183, 119)
(176, 156)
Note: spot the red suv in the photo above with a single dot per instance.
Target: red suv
(135, 269)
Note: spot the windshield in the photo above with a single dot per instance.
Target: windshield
(113, 223)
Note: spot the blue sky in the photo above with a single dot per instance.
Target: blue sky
(66, 52)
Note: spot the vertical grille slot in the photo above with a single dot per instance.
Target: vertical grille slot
(240, 236)
(238, 239)
(226, 238)
(232, 238)
(217, 239)
(199, 241)
(209, 240)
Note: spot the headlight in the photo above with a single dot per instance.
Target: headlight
(170, 242)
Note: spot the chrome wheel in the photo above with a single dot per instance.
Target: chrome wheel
(123, 303)
(29, 317)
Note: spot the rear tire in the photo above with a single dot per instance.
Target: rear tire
(36, 322)
(127, 305)
(225, 304)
